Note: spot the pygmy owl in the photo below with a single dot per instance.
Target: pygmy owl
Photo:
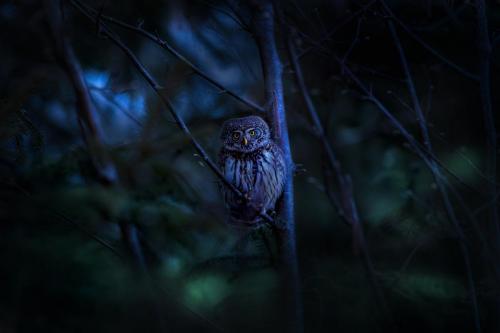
(254, 164)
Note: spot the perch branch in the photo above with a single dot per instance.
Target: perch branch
(166, 101)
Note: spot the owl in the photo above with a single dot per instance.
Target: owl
(254, 164)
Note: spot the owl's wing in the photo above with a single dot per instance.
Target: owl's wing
(269, 179)
(226, 163)
(221, 163)
(221, 160)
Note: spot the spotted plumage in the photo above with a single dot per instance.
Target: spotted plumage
(254, 164)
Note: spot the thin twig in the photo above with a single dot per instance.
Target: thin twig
(242, 25)
(438, 177)
(439, 23)
(110, 99)
(426, 46)
(346, 204)
(337, 27)
(416, 146)
(354, 40)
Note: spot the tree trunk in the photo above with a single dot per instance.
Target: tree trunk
(263, 29)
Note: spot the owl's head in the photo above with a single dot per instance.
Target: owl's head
(245, 134)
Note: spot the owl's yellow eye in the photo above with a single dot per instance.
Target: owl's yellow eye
(251, 132)
(236, 135)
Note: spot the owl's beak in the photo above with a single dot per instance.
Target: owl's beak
(245, 141)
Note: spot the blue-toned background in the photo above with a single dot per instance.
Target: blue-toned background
(56, 277)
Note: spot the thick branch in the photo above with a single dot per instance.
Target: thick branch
(264, 30)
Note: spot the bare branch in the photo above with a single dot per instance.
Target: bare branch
(346, 204)
(84, 106)
(107, 173)
(441, 22)
(339, 25)
(166, 46)
(416, 146)
(438, 177)
(426, 46)
(166, 101)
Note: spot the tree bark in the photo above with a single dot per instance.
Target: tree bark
(264, 33)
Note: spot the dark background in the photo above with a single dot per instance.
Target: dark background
(56, 277)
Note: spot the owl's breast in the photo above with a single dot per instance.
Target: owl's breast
(259, 176)
(240, 172)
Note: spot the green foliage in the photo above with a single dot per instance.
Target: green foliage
(206, 292)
